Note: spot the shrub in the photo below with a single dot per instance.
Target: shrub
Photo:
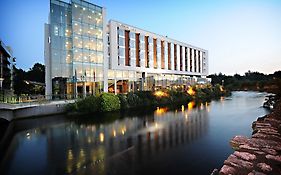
(109, 102)
(123, 101)
(71, 107)
(146, 98)
(179, 97)
(89, 104)
(133, 100)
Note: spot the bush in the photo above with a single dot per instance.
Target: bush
(109, 102)
(133, 100)
(146, 98)
(123, 101)
(177, 97)
(90, 104)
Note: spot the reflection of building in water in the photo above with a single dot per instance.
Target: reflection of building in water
(121, 145)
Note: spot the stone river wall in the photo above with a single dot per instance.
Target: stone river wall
(260, 154)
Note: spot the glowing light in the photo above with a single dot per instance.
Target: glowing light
(114, 133)
(28, 136)
(156, 125)
(160, 111)
(190, 91)
(182, 108)
(201, 106)
(221, 89)
(160, 94)
(190, 105)
(101, 137)
(123, 130)
(70, 155)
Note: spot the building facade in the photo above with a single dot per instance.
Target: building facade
(74, 49)
(7, 62)
(142, 60)
(85, 55)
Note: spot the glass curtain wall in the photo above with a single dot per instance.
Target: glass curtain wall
(76, 47)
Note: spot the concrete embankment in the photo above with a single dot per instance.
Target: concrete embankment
(260, 154)
(11, 112)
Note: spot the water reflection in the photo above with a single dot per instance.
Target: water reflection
(114, 148)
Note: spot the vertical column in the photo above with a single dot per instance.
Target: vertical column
(146, 52)
(199, 61)
(181, 58)
(175, 57)
(127, 48)
(169, 56)
(162, 55)
(142, 51)
(137, 50)
(195, 60)
(132, 49)
(172, 57)
(178, 57)
(159, 53)
(151, 51)
(190, 59)
(105, 53)
(165, 54)
(154, 53)
(185, 59)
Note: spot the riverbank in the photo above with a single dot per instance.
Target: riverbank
(107, 102)
(260, 154)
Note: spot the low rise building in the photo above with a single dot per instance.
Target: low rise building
(7, 62)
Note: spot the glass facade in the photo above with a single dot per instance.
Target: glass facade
(77, 53)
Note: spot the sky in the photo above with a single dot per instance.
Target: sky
(240, 35)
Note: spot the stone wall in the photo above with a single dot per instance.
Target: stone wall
(260, 154)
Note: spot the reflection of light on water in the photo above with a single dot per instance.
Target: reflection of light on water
(28, 136)
(101, 137)
(190, 105)
(160, 111)
(69, 155)
(182, 108)
(207, 106)
(69, 161)
(89, 140)
(123, 130)
(201, 106)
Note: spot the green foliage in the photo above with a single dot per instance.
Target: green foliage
(109, 102)
(90, 104)
(123, 101)
(146, 98)
(133, 100)
(178, 97)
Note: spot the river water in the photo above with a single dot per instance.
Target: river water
(192, 139)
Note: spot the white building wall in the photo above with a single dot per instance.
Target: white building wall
(114, 52)
(105, 54)
(47, 60)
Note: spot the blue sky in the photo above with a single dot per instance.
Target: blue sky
(240, 35)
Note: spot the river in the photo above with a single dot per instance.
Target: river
(192, 139)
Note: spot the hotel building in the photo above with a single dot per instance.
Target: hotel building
(85, 55)
(142, 60)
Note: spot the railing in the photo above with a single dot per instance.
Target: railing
(35, 99)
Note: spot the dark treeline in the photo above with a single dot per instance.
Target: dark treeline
(29, 82)
(249, 81)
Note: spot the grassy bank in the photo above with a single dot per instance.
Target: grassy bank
(107, 102)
